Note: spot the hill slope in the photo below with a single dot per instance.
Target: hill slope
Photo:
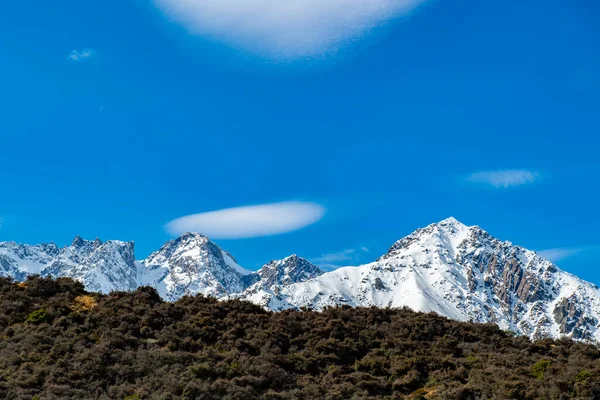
(59, 342)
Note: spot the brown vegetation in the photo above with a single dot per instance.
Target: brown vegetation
(59, 342)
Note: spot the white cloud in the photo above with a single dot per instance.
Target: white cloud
(1, 222)
(250, 221)
(344, 255)
(339, 258)
(285, 28)
(81, 55)
(559, 254)
(503, 179)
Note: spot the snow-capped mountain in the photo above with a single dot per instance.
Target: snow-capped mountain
(102, 267)
(271, 276)
(289, 270)
(458, 271)
(189, 265)
(19, 260)
(465, 274)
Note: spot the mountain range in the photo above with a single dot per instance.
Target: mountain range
(452, 269)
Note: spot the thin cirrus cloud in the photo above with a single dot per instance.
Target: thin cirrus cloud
(504, 179)
(80, 55)
(250, 221)
(562, 253)
(285, 28)
(339, 258)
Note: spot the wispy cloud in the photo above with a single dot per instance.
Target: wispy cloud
(504, 179)
(1, 222)
(250, 221)
(559, 254)
(285, 28)
(340, 258)
(81, 55)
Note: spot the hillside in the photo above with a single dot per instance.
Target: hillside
(59, 342)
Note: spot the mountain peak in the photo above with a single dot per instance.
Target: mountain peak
(288, 270)
(449, 226)
(188, 239)
(451, 221)
(446, 234)
(192, 264)
(78, 241)
(193, 235)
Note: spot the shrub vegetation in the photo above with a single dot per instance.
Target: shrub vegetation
(59, 342)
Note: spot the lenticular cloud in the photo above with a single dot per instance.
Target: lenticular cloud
(250, 221)
(285, 28)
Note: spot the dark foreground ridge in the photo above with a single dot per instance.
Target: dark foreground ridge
(59, 342)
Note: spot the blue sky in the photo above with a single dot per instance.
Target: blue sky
(121, 116)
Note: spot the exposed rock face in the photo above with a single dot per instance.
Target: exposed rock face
(502, 262)
(575, 318)
(379, 284)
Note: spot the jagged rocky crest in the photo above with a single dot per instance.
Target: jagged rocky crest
(102, 267)
(457, 271)
(266, 282)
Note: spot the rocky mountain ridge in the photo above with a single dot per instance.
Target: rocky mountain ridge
(457, 271)
(188, 265)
